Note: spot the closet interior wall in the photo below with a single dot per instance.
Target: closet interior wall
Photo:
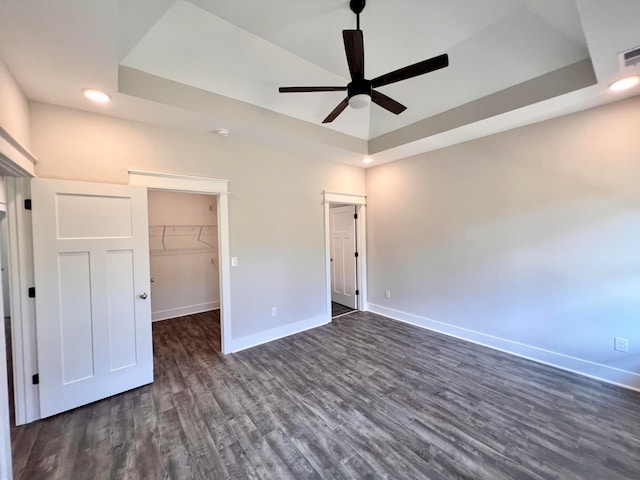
(183, 254)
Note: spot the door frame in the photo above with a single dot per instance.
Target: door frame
(360, 202)
(23, 315)
(26, 395)
(210, 186)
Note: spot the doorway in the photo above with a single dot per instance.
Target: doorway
(218, 187)
(346, 253)
(344, 259)
(6, 303)
(183, 254)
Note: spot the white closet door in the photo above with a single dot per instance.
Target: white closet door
(343, 260)
(91, 264)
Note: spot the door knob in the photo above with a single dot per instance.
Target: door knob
(144, 295)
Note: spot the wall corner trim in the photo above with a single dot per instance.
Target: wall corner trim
(272, 334)
(604, 373)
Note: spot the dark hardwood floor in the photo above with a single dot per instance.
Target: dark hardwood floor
(338, 309)
(363, 397)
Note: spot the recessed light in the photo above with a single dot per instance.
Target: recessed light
(96, 95)
(223, 132)
(367, 160)
(625, 83)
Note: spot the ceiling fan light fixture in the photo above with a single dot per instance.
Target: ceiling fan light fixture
(359, 101)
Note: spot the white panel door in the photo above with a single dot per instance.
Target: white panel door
(343, 260)
(93, 314)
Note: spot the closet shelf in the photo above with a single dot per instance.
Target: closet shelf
(182, 238)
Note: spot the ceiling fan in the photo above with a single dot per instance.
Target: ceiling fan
(360, 91)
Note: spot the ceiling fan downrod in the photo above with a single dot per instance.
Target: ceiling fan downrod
(357, 6)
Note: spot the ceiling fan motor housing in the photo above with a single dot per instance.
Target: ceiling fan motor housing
(359, 87)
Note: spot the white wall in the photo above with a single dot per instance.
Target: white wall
(184, 267)
(15, 157)
(527, 240)
(14, 107)
(275, 202)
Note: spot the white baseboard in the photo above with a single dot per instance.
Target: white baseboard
(259, 338)
(183, 311)
(580, 366)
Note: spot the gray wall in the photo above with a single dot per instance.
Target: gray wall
(275, 204)
(528, 240)
(14, 107)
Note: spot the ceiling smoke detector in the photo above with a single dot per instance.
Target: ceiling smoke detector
(223, 132)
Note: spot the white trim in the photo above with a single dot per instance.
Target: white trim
(579, 366)
(260, 338)
(224, 266)
(349, 198)
(175, 182)
(361, 225)
(184, 311)
(23, 317)
(210, 186)
(15, 158)
(361, 246)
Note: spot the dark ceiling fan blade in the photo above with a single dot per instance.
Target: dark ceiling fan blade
(354, 48)
(310, 89)
(411, 71)
(337, 111)
(387, 103)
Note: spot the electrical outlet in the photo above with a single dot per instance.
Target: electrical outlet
(274, 311)
(387, 294)
(621, 344)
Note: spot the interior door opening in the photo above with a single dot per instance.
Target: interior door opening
(7, 405)
(343, 234)
(183, 257)
(6, 303)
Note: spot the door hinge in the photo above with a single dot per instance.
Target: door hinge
(36, 379)
(356, 255)
(32, 292)
(27, 204)
(357, 292)
(355, 216)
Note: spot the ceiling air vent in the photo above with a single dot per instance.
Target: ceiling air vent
(629, 58)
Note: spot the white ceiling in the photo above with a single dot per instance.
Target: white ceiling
(204, 64)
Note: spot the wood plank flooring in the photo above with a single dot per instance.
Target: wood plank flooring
(337, 309)
(362, 398)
